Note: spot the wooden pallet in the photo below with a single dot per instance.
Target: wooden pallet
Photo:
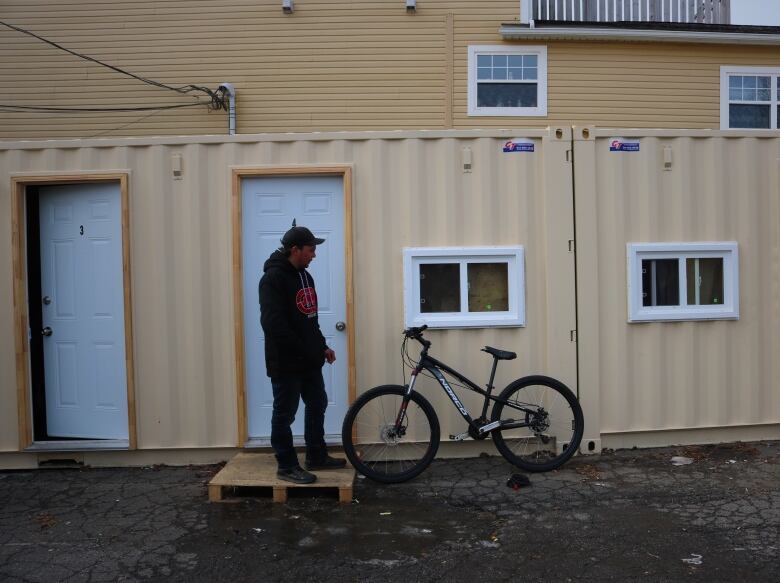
(256, 470)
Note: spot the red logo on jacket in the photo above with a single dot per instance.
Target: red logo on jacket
(306, 300)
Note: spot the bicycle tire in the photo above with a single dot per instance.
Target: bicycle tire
(371, 446)
(556, 426)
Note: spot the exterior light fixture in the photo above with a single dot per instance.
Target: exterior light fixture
(411, 5)
(287, 6)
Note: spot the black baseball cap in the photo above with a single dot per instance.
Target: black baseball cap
(299, 237)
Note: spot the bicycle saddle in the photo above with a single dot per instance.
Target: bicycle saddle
(500, 354)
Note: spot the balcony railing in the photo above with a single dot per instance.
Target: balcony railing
(689, 11)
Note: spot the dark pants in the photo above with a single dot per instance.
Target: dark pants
(288, 391)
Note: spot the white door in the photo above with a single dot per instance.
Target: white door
(83, 308)
(267, 210)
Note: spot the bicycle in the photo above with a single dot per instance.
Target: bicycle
(391, 432)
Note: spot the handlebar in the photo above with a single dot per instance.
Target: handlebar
(416, 333)
(412, 332)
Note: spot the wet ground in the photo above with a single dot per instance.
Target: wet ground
(621, 516)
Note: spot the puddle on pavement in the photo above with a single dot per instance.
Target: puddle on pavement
(373, 530)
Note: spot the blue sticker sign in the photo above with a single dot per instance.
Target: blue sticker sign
(519, 145)
(623, 145)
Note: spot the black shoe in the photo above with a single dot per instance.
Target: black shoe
(296, 475)
(329, 463)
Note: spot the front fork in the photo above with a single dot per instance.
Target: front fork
(412, 380)
(405, 402)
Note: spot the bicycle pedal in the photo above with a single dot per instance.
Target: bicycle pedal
(459, 436)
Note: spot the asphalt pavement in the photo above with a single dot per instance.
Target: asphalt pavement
(629, 515)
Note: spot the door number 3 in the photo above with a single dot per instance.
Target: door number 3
(81, 229)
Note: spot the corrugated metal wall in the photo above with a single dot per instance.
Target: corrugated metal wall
(640, 384)
(408, 190)
(701, 377)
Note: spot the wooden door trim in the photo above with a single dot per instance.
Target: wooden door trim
(343, 171)
(19, 184)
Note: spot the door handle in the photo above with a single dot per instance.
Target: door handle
(341, 326)
(46, 331)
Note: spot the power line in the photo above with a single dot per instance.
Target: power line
(217, 101)
(112, 130)
(54, 109)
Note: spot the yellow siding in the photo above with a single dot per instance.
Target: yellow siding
(328, 66)
(627, 85)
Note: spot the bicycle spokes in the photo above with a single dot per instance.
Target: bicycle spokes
(387, 423)
(390, 437)
(551, 426)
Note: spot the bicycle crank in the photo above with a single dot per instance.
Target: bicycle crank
(488, 427)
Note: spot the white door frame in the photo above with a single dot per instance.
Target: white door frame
(343, 171)
(19, 184)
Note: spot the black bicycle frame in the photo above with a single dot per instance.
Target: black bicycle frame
(435, 367)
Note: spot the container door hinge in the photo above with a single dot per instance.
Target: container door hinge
(573, 335)
(572, 248)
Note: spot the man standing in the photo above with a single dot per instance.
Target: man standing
(295, 352)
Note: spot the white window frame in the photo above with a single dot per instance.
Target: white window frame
(728, 70)
(514, 257)
(541, 81)
(728, 310)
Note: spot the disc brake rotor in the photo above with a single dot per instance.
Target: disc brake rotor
(388, 435)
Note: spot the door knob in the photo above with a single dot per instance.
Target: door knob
(46, 331)
(46, 300)
(341, 326)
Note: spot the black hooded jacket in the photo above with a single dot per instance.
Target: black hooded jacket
(288, 315)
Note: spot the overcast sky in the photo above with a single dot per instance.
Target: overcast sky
(763, 12)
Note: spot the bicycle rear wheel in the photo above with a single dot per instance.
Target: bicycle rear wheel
(373, 445)
(553, 419)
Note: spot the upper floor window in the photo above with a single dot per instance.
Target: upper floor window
(749, 98)
(507, 80)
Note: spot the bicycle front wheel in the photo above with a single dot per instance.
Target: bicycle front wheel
(385, 451)
(550, 419)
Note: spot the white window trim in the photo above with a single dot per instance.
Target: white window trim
(728, 310)
(541, 99)
(513, 256)
(728, 70)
